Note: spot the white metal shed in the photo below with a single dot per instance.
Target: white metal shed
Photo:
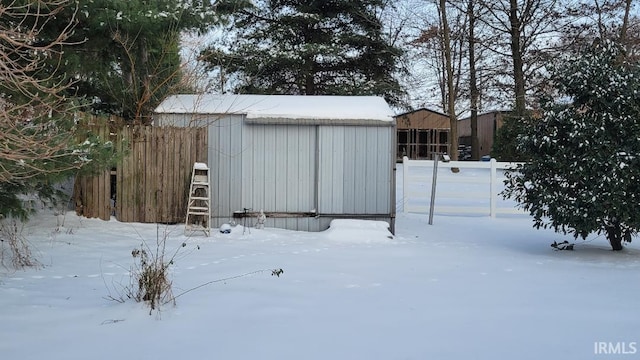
(303, 160)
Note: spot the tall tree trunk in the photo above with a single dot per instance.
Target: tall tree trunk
(145, 93)
(473, 85)
(308, 66)
(625, 22)
(309, 84)
(516, 55)
(614, 235)
(453, 121)
(308, 76)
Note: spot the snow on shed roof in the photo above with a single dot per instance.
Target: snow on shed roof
(320, 107)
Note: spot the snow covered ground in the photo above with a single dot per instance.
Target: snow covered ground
(463, 288)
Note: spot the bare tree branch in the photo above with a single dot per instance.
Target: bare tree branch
(32, 140)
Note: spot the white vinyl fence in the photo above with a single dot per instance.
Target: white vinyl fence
(475, 189)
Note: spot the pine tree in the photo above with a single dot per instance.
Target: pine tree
(318, 47)
(584, 170)
(126, 54)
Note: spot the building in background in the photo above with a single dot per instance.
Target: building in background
(488, 125)
(422, 133)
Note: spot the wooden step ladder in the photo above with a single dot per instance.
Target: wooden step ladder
(199, 205)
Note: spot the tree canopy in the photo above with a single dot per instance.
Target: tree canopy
(126, 54)
(318, 47)
(583, 170)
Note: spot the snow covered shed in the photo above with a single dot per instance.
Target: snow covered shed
(303, 160)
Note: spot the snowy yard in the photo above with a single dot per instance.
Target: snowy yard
(463, 288)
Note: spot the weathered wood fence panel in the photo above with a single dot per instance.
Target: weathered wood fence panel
(151, 180)
(92, 194)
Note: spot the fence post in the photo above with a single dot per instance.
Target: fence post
(493, 188)
(405, 183)
(434, 181)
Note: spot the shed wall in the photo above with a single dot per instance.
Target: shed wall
(355, 172)
(279, 172)
(334, 171)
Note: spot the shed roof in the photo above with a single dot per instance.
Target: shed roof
(275, 108)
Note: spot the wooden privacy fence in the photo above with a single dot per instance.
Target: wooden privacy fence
(150, 183)
(474, 190)
(92, 195)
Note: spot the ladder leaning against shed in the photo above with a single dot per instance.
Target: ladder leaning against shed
(199, 205)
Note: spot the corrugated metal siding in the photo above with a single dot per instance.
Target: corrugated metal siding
(184, 120)
(355, 175)
(225, 159)
(331, 170)
(273, 167)
(278, 168)
(269, 167)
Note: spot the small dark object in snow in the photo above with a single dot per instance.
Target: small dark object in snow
(562, 246)
(225, 229)
(277, 272)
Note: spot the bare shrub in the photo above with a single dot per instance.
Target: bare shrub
(15, 251)
(149, 280)
(150, 275)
